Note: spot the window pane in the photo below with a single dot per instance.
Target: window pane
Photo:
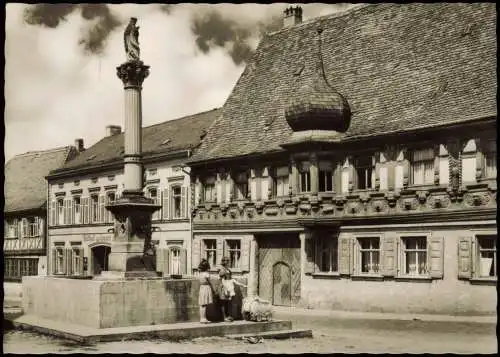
(411, 263)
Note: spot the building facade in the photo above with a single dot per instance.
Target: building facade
(353, 166)
(81, 229)
(25, 211)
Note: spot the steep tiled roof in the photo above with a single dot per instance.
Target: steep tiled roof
(25, 185)
(400, 67)
(170, 136)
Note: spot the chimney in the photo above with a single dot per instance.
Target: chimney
(113, 130)
(293, 16)
(79, 145)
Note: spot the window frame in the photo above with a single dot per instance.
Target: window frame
(401, 263)
(60, 211)
(323, 175)
(109, 216)
(358, 258)
(304, 177)
(489, 153)
(205, 250)
(229, 250)
(241, 189)
(209, 181)
(60, 263)
(173, 196)
(278, 180)
(94, 211)
(332, 242)
(177, 259)
(412, 162)
(368, 166)
(476, 259)
(80, 207)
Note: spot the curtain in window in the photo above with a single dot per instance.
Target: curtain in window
(423, 167)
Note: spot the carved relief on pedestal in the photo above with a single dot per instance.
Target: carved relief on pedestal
(408, 203)
(438, 201)
(422, 196)
(475, 199)
(353, 207)
(378, 206)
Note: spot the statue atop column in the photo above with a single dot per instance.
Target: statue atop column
(131, 40)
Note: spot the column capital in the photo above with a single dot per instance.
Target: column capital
(132, 73)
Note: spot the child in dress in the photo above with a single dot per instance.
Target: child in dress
(205, 296)
(228, 284)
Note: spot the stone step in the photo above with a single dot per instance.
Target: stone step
(283, 334)
(174, 331)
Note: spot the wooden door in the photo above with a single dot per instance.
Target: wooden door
(282, 284)
(279, 268)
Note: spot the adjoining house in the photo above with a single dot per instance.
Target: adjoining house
(25, 210)
(353, 166)
(81, 229)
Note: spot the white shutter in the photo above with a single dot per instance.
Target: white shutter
(166, 203)
(102, 209)
(184, 202)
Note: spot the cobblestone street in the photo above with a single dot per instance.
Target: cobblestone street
(330, 335)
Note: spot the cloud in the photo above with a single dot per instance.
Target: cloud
(60, 69)
(93, 37)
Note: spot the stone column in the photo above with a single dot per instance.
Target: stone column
(132, 75)
(131, 253)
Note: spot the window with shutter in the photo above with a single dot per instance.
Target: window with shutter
(85, 210)
(367, 257)
(175, 202)
(210, 249)
(175, 261)
(310, 264)
(233, 250)
(327, 253)
(436, 257)
(165, 205)
(345, 255)
(245, 254)
(183, 261)
(69, 262)
(389, 255)
(184, 202)
(77, 210)
(54, 261)
(166, 262)
(414, 256)
(195, 253)
(80, 261)
(465, 258)
(219, 254)
(102, 208)
(486, 254)
(160, 252)
(422, 166)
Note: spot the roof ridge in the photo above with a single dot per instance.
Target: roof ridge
(355, 8)
(180, 118)
(28, 153)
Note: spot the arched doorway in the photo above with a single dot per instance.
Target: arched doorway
(100, 256)
(282, 284)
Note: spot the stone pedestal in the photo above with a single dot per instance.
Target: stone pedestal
(131, 251)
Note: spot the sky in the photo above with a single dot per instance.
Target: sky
(61, 59)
